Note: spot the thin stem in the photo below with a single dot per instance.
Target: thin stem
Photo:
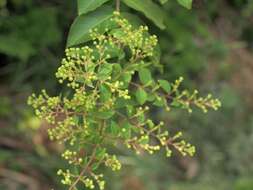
(85, 168)
(118, 5)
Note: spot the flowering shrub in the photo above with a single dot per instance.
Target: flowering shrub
(112, 94)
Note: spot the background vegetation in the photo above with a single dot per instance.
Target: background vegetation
(210, 46)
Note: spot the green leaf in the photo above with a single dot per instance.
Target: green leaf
(105, 71)
(151, 97)
(149, 9)
(79, 31)
(117, 33)
(100, 153)
(126, 130)
(185, 3)
(130, 110)
(134, 66)
(126, 77)
(176, 104)
(114, 129)
(145, 76)
(160, 101)
(122, 103)
(95, 166)
(165, 85)
(141, 96)
(85, 6)
(105, 93)
(156, 58)
(78, 120)
(141, 117)
(144, 141)
(116, 70)
(114, 52)
(135, 20)
(104, 114)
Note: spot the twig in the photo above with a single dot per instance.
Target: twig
(118, 5)
(85, 168)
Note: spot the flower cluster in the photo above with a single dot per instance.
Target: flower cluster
(112, 162)
(112, 91)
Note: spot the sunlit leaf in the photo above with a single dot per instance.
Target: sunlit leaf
(145, 76)
(79, 31)
(149, 9)
(185, 3)
(141, 96)
(165, 85)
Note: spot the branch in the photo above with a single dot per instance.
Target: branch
(118, 5)
(85, 168)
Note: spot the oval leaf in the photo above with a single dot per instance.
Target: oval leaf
(105, 71)
(145, 76)
(85, 6)
(149, 9)
(104, 114)
(79, 31)
(141, 96)
(165, 85)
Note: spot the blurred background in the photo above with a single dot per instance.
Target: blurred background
(211, 46)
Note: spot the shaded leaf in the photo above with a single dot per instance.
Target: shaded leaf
(114, 129)
(85, 6)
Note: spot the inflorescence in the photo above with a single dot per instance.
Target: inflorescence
(108, 104)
